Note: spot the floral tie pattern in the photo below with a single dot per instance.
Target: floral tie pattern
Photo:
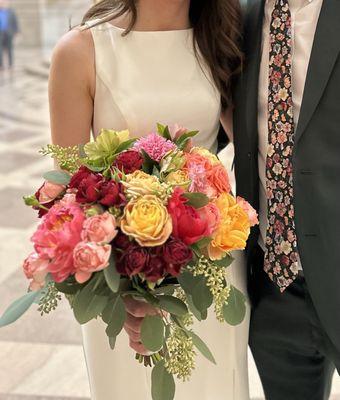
(281, 259)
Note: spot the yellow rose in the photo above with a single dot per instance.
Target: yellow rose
(139, 184)
(233, 230)
(178, 178)
(207, 154)
(147, 220)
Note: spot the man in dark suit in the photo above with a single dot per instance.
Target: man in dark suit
(287, 162)
(8, 29)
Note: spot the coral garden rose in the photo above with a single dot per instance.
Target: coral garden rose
(212, 215)
(129, 161)
(88, 258)
(147, 220)
(206, 153)
(139, 183)
(188, 224)
(100, 228)
(177, 255)
(233, 230)
(36, 269)
(133, 260)
(218, 178)
(250, 211)
(57, 236)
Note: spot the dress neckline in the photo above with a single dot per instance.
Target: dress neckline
(174, 31)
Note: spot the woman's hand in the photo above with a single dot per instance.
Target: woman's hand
(136, 311)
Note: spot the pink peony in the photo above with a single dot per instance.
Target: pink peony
(155, 146)
(57, 236)
(88, 258)
(100, 228)
(249, 210)
(36, 269)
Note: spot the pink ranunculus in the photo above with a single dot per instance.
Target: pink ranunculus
(249, 210)
(35, 269)
(88, 258)
(100, 228)
(212, 215)
(57, 236)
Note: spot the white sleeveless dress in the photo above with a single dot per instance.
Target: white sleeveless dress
(144, 78)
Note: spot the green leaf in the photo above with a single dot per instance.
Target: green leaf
(162, 383)
(112, 276)
(169, 289)
(196, 287)
(125, 146)
(18, 308)
(173, 305)
(198, 314)
(94, 168)
(155, 171)
(112, 342)
(148, 163)
(164, 131)
(235, 310)
(31, 201)
(87, 304)
(114, 315)
(196, 200)
(183, 139)
(203, 242)
(225, 262)
(58, 177)
(202, 347)
(152, 332)
(67, 287)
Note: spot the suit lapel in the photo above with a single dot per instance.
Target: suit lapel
(256, 13)
(323, 57)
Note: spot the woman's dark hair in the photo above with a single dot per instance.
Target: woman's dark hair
(217, 34)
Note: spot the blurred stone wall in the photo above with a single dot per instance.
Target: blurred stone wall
(42, 22)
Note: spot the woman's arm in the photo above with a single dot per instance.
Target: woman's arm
(71, 88)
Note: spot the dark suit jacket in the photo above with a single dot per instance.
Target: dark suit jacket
(316, 159)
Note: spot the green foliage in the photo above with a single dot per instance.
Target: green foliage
(183, 140)
(68, 158)
(49, 299)
(18, 308)
(152, 332)
(173, 305)
(163, 383)
(58, 177)
(196, 200)
(112, 276)
(114, 315)
(235, 309)
(164, 131)
(202, 347)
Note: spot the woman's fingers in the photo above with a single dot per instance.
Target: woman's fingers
(139, 309)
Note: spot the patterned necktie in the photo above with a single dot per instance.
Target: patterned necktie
(281, 259)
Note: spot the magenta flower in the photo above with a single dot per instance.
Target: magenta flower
(155, 146)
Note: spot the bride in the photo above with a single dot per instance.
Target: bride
(132, 64)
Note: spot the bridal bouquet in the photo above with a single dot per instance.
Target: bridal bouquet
(152, 218)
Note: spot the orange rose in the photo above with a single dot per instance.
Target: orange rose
(219, 179)
(233, 230)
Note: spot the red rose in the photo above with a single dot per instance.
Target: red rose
(154, 269)
(122, 241)
(89, 189)
(111, 194)
(177, 255)
(188, 224)
(133, 261)
(77, 178)
(129, 161)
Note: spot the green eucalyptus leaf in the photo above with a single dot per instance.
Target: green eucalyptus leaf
(173, 305)
(152, 332)
(114, 315)
(202, 347)
(58, 177)
(196, 200)
(203, 242)
(225, 262)
(235, 310)
(200, 315)
(87, 304)
(162, 383)
(201, 295)
(18, 308)
(68, 287)
(112, 276)
(112, 342)
(183, 139)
